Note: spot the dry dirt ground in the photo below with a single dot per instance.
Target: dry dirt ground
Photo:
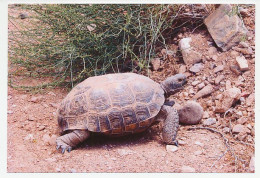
(32, 129)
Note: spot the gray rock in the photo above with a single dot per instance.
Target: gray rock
(181, 142)
(225, 27)
(209, 121)
(189, 55)
(187, 169)
(242, 63)
(230, 96)
(190, 113)
(196, 82)
(219, 78)
(238, 128)
(171, 148)
(201, 85)
(199, 143)
(218, 69)
(196, 67)
(204, 92)
(242, 120)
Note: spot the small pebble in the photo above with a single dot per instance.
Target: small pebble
(201, 85)
(41, 128)
(187, 169)
(181, 142)
(171, 148)
(10, 112)
(35, 99)
(198, 152)
(218, 69)
(196, 82)
(196, 67)
(215, 57)
(199, 143)
(73, 170)
(209, 121)
(226, 130)
(50, 159)
(29, 137)
(31, 118)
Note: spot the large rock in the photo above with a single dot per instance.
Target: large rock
(230, 96)
(225, 27)
(190, 56)
(190, 113)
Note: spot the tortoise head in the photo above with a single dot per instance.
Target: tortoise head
(173, 84)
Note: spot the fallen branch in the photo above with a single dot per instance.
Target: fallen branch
(226, 144)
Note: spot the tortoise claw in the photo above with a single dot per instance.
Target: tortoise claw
(176, 143)
(63, 150)
(69, 149)
(58, 146)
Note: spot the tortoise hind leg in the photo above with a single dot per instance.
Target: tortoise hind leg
(170, 125)
(71, 140)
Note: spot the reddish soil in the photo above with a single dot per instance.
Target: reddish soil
(32, 120)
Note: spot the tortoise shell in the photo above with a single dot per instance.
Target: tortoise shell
(112, 104)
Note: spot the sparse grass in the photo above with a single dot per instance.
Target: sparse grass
(71, 42)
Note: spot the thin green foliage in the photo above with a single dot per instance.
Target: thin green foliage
(73, 42)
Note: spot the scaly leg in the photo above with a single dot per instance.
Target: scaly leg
(170, 125)
(71, 140)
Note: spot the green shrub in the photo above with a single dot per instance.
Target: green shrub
(72, 41)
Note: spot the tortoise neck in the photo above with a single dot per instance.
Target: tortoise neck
(165, 88)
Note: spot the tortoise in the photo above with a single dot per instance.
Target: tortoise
(117, 104)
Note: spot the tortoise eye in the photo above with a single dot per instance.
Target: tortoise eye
(179, 80)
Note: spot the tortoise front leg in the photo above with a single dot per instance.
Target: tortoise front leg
(71, 140)
(170, 125)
